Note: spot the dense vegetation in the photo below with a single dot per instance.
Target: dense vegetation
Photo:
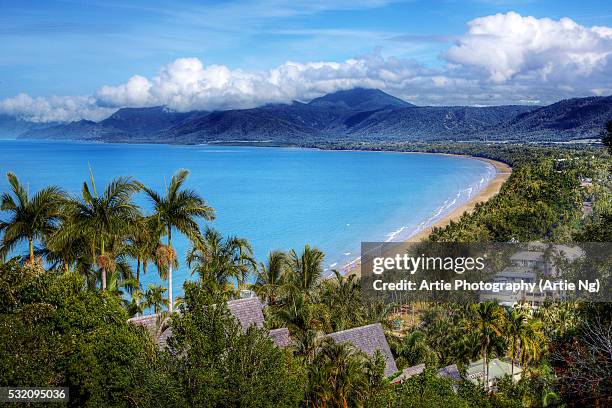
(64, 305)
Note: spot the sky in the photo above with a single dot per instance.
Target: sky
(71, 60)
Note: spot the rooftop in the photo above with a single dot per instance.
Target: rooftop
(248, 312)
(450, 371)
(528, 256)
(368, 339)
(409, 372)
(515, 273)
(497, 370)
(280, 337)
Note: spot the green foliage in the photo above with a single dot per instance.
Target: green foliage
(606, 136)
(341, 376)
(54, 333)
(219, 366)
(532, 205)
(57, 329)
(33, 218)
(219, 262)
(415, 349)
(428, 391)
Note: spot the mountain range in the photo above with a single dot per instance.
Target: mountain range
(357, 114)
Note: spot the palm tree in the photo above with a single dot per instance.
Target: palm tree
(488, 321)
(154, 298)
(532, 341)
(270, 276)
(218, 260)
(515, 326)
(143, 241)
(306, 269)
(415, 349)
(135, 306)
(306, 322)
(103, 218)
(71, 249)
(32, 218)
(344, 376)
(119, 285)
(178, 208)
(343, 297)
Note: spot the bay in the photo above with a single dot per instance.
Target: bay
(277, 198)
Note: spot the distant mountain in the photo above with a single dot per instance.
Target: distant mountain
(577, 118)
(360, 99)
(143, 121)
(11, 127)
(357, 114)
(236, 125)
(436, 122)
(81, 130)
(127, 124)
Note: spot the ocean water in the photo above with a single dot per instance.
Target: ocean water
(277, 198)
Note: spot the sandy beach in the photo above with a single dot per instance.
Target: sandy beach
(503, 172)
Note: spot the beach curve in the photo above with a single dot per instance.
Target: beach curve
(502, 173)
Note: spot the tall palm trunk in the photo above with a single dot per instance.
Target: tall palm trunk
(138, 271)
(170, 262)
(484, 370)
(485, 366)
(31, 242)
(103, 271)
(138, 281)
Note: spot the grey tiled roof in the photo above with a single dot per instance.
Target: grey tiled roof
(368, 339)
(280, 337)
(153, 323)
(248, 312)
(409, 372)
(450, 371)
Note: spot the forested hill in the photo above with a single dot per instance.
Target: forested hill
(354, 115)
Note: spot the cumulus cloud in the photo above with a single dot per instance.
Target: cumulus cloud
(54, 109)
(188, 84)
(508, 45)
(501, 59)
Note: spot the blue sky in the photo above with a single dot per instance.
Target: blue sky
(68, 48)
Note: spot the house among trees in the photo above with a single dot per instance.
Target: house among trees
(368, 339)
(497, 369)
(527, 266)
(248, 312)
(532, 261)
(509, 298)
(450, 371)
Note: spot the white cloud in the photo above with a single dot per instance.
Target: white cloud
(509, 45)
(54, 109)
(188, 84)
(501, 59)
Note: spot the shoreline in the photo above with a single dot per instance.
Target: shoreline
(502, 173)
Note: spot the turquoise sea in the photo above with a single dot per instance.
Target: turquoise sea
(277, 198)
